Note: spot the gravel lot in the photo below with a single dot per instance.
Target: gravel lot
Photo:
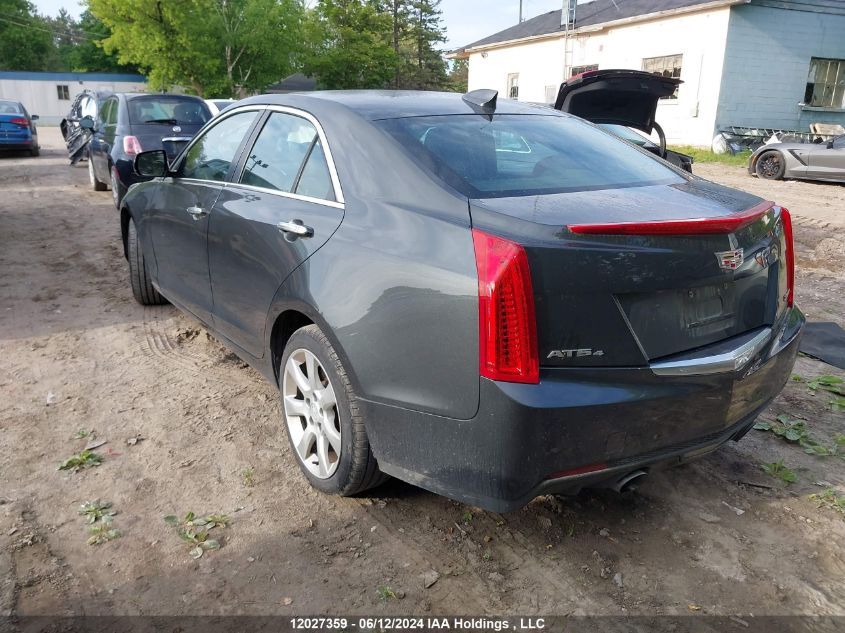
(718, 536)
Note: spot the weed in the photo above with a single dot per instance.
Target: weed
(194, 530)
(81, 434)
(778, 470)
(570, 531)
(81, 460)
(248, 477)
(97, 510)
(832, 384)
(487, 555)
(795, 431)
(467, 517)
(102, 532)
(829, 499)
(385, 593)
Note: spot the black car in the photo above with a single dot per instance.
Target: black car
(488, 300)
(128, 124)
(622, 101)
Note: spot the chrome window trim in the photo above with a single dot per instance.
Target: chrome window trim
(286, 194)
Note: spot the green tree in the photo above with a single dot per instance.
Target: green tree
(458, 75)
(424, 66)
(88, 54)
(350, 45)
(211, 47)
(25, 41)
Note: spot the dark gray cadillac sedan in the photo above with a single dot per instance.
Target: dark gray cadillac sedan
(486, 299)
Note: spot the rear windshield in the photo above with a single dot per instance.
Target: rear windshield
(523, 155)
(10, 107)
(169, 110)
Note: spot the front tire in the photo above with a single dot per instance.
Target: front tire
(770, 165)
(320, 409)
(139, 276)
(96, 185)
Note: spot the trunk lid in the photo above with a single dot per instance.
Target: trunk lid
(613, 300)
(621, 97)
(151, 135)
(12, 132)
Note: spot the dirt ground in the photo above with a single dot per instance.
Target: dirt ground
(719, 536)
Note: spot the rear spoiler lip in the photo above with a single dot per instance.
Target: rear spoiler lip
(692, 226)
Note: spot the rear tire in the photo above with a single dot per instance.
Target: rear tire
(96, 185)
(116, 193)
(311, 417)
(142, 288)
(770, 165)
(35, 151)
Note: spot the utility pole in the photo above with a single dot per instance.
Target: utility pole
(520, 11)
(567, 23)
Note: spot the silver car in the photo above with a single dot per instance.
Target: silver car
(809, 161)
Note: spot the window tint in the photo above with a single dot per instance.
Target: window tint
(171, 110)
(278, 153)
(315, 180)
(556, 154)
(105, 111)
(210, 157)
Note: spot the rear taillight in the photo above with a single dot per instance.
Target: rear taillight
(693, 226)
(131, 145)
(786, 220)
(23, 122)
(506, 321)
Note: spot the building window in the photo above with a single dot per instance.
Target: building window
(551, 94)
(63, 92)
(513, 86)
(666, 66)
(577, 70)
(826, 83)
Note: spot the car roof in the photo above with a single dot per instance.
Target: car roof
(135, 95)
(393, 104)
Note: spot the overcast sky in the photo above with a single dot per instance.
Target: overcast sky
(465, 20)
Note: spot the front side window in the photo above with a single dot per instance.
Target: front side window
(522, 155)
(666, 66)
(210, 157)
(288, 156)
(826, 83)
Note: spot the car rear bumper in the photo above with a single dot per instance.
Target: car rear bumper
(582, 427)
(16, 145)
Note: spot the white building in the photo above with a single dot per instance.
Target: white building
(49, 95)
(751, 63)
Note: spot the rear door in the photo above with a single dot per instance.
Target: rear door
(284, 204)
(103, 139)
(179, 221)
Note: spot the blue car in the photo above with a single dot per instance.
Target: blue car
(17, 128)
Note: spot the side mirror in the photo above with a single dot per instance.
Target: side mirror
(151, 164)
(87, 122)
(34, 117)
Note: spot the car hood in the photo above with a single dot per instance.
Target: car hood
(622, 97)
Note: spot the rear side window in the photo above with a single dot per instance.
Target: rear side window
(521, 155)
(169, 110)
(288, 156)
(210, 157)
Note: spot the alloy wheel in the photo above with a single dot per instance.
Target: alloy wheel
(770, 166)
(310, 410)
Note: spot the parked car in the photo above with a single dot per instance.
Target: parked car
(216, 106)
(807, 161)
(622, 101)
(490, 301)
(17, 128)
(128, 123)
(85, 104)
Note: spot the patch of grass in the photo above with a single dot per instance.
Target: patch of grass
(194, 530)
(248, 476)
(795, 431)
(97, 510)
(702, 155)
(829, 499)
(85, 459)
(385, 593)
(780, 471)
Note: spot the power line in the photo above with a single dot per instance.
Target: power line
(53, 32)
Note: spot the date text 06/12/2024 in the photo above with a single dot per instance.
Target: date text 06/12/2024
(417, 623)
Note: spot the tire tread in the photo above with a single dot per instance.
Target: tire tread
(142, 288)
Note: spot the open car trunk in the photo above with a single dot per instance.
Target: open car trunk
(621, 97)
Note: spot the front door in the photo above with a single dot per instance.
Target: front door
(828, 162)
(179, 222)
(282, 207)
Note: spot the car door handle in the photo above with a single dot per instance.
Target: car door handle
(196, 212)
(296, 227)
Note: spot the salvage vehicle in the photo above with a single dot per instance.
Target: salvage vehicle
(622, 101)
(76, 137)
(486, 299)
(17, 128)
(127, 123)
(806, 161)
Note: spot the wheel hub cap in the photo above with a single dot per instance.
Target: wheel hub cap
(310, 411)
